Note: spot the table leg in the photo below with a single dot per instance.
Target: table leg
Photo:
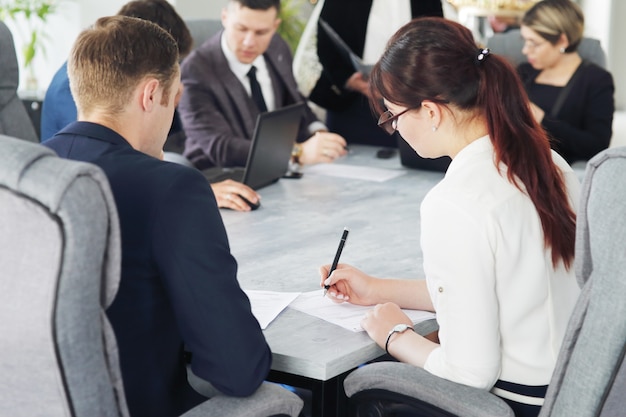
(328, 397)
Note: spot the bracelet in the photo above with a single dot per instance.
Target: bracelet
(398, 328)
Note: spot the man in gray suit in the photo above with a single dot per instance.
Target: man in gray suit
(217, 108)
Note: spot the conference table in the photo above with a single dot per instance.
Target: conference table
(281, 245)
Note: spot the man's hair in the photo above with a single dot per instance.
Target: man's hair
(113, 56)
(259, 4)
(163, 14)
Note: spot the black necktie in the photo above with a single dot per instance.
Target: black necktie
(255, 88)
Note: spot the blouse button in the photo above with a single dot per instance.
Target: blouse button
(440, 289)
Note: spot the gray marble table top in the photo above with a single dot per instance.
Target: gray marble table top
(281, 245)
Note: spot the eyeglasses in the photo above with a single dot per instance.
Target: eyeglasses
(532, 45)
(389, 121)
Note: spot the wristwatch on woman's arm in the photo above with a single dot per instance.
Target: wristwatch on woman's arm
(398, 328)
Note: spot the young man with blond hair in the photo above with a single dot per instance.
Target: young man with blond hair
(178, 291)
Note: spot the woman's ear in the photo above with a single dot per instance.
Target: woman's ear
(563, 42)
(433, 110)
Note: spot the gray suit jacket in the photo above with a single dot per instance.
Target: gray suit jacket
(217, 113)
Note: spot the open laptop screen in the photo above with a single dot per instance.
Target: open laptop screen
(270, 149)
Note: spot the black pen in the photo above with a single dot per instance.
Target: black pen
(342, 242)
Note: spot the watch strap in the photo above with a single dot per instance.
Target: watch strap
(394, 331)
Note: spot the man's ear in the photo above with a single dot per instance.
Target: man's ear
(149, 94)
(277, 24)
(224, 15)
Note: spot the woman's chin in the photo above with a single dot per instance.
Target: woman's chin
(424, 153)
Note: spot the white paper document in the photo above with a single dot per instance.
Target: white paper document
(267, 305)
(346, 315)
(354, 172)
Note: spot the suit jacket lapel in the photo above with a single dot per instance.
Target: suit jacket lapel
(233, 90)
(279, 72)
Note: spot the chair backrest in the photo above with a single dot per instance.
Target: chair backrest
(590, 377)
(14, 120)
(59, 270)
(510, 44)
(202, 29)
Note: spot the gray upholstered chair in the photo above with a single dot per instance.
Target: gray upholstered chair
(590, 376)
(510, 44)
(202, 29)
(59, 271)
(14, 120)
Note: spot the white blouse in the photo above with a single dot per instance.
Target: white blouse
(385, 18)
(502, 308)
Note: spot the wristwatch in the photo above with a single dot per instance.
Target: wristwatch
(296, 153)
(398, 328)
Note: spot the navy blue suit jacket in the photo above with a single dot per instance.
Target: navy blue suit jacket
(58, 108)
(179, 280)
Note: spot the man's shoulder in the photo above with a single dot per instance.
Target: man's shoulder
(60, 80)
(148, 168)
(174, 178)
(206, 53)
(279, 48)
(142, 177)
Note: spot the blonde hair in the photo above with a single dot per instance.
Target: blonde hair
(113, 56)
(552, 18)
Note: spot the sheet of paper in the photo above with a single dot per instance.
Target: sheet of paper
(346, 315)
(267, 305)
(354, 172)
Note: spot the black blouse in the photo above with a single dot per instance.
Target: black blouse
(583, 125)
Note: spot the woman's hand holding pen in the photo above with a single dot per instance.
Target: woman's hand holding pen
(349, 284)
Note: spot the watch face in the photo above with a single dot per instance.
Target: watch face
(400, 327)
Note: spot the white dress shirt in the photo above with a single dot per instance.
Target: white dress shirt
(385, 18)
(241, 72)
(501, 306)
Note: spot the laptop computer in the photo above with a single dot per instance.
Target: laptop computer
(345, 50)
(270, 151)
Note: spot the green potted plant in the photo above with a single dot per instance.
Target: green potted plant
(293, 19)
(28, 19)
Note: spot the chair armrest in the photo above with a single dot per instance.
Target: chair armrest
(270, 399)
(414, 382)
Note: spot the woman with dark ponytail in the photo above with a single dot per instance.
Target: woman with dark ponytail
(497, 232)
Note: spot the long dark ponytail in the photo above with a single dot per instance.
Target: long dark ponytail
(437, 59)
